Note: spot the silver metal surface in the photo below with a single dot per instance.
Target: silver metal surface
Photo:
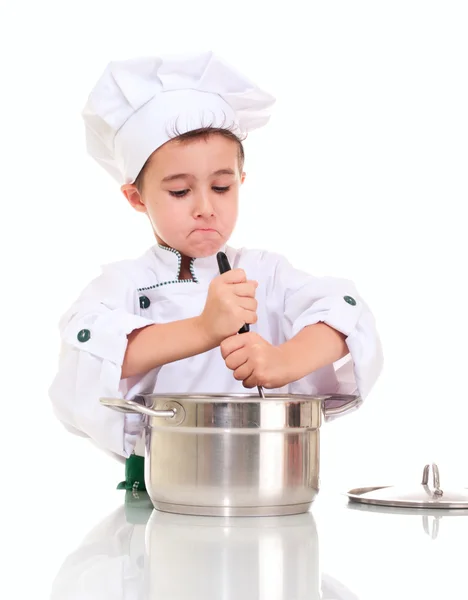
(430, 518)
(130, 406)
(436, 479)
(235, 454)
(339, 404)
(234, 511)
(422, 496)
(399, 511)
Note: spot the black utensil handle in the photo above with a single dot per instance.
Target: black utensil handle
(223, 263)
(224, 266)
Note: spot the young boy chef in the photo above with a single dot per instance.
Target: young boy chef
(169, 130)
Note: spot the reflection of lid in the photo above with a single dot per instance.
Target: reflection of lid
(414, 497)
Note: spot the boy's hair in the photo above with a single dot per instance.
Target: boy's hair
(203, 132)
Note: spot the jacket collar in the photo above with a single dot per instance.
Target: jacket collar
(203, 270)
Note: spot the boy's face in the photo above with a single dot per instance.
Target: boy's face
(190, 194)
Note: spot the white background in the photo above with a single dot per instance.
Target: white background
(361, 173)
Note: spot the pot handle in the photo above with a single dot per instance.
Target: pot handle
(336, 405)
(130, 406)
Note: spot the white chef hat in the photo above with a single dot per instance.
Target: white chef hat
(137, 106)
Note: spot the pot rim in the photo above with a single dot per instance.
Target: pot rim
(246, 398)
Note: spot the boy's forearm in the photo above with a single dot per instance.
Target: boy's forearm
(163, 343)
(312, 348)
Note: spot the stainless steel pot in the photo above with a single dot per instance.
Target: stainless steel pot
(233, 454)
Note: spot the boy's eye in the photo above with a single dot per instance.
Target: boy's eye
(182, 193)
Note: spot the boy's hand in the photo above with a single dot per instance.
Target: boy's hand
(255, 361)
(230, 304)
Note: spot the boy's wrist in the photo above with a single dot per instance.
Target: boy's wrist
(200, 329)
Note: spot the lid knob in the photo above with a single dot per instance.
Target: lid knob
(435, 479)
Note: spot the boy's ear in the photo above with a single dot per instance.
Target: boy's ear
(134, 197)
(243, 177)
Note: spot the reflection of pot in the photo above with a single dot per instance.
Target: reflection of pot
(178, 557)
(212, 558)
(235, 454)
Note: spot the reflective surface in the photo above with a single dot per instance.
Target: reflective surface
(233, 454)
(421, 496)
(141, 554)
(235, 473)
(337, 552)
(233, 411)
(237, 458)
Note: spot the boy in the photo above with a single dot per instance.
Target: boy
(170, 131)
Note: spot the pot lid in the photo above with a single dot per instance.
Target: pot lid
(421, 496)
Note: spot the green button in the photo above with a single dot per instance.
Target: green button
(84, 335)
(144, 302)
(350, 300)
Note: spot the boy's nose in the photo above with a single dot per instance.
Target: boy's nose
(203, 206)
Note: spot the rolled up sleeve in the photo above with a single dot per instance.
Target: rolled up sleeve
(307, 300)
(93, 345)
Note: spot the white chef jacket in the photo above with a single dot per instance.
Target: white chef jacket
(134, 293)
